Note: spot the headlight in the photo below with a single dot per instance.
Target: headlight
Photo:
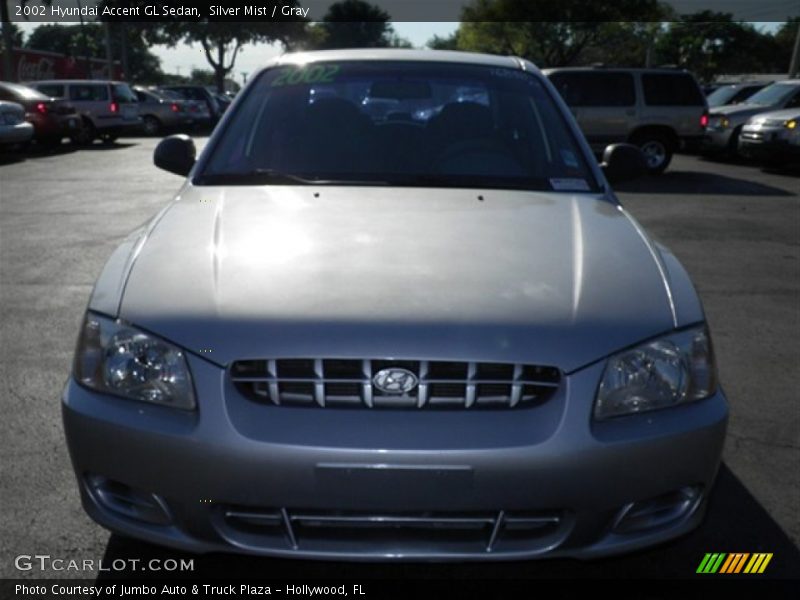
(672, 370)
(115, 358)
(791, 124)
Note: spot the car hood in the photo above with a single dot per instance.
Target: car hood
(786, 113)
(739, 111)
(309, 271)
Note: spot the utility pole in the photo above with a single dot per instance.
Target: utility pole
(8, 42)
(109, 53)
(86, 58)
(794, 66)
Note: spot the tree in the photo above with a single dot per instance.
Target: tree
(785, 39)
(712, 44)
(354, 24)
(444, 43)
(547, 33)
(222, 41)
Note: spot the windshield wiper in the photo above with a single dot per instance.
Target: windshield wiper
(274, 177)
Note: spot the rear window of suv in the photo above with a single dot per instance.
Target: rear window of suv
(671, 89)
(51, 89)
(122, 93)
(595, 89)
(88, 92)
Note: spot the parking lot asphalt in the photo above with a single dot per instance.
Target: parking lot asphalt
(735, 227)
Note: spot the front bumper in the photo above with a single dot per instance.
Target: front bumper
(290, 482)
(717, 140)
(769, 145)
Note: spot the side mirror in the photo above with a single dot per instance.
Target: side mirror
(175, 154)
(623, 162)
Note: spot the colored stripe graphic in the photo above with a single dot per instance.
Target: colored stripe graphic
(758, 563)
(722, 563)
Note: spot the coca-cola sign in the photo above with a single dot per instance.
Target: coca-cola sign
(36, 65)
(35, 70)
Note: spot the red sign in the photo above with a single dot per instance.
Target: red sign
(35, 65)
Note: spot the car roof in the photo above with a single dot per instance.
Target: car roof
(612, 69)
(400, 54)
(81, 81)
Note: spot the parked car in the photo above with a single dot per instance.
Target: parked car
(733, 93)
(198, 110)
(772, 137)
(224, 101)
(108, 109)
(200, 93)
(52, 119)
(725, 123)
(14, 130)
(657, 110)
(160, 114)
(343, 342)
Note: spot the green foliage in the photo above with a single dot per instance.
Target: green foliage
(712, 44)
(632, 33)
(545, 32)
(354, 24)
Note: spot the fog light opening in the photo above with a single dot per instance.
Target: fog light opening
(128, 502)
(658, 512)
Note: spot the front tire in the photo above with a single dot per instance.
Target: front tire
(657, 150)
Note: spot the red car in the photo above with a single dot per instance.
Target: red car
(52, 119)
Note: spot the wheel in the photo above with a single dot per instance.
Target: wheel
(108, 138)
(85, 135)
(151, 125)
(657, 150)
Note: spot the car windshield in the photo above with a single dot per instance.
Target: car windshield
(722, 95)
(772, 94)
(23, 92)
(168, 94)
(399, 123)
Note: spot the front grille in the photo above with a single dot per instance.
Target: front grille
(340, 383)
(396, 532)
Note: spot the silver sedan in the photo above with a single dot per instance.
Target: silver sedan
(436, 335)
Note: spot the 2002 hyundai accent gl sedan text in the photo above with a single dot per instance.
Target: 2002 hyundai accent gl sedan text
(395, 312)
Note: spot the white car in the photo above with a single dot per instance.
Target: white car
(772, 136)
(13, 127)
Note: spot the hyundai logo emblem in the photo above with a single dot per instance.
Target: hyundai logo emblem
(395, 381)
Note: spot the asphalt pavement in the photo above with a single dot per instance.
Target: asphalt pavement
(735, 227)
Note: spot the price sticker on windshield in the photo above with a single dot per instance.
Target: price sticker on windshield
(305, 75)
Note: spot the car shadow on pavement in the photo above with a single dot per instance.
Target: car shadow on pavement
(696, 182)
(735, 522)
(111, 146)
(35, 151)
